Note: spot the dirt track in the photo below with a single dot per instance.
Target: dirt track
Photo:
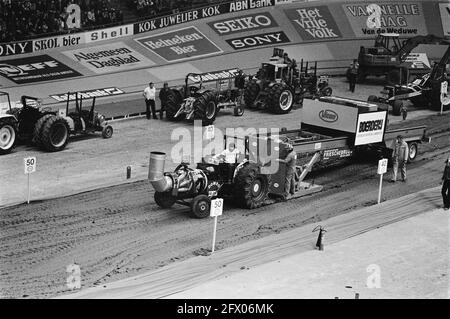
(119, 231)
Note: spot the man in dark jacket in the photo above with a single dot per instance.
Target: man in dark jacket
(163, 99)
(446, 185)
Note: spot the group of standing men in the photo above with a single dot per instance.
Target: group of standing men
(150, 100)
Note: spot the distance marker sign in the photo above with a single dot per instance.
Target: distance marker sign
(30, 165)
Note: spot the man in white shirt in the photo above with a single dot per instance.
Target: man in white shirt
(149, 95)
(229, 155)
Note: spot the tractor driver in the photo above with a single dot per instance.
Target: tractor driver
(229, 155)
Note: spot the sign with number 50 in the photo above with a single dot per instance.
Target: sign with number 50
(216, 207)
(30, 165)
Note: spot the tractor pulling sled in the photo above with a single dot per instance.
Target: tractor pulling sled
(46, 128)
(203, 95)
(332, 128)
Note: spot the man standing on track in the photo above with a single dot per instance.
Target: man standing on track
(149, 95)
(446, 185)
(353, 75)
(291, 167)
(163, 99)
(400, 156)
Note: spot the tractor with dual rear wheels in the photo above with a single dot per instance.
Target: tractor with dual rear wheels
(46, 128)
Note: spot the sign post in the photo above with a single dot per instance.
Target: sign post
(382, 169)
(30, 167)
(444, 88)
(215, 210)
(210, 132)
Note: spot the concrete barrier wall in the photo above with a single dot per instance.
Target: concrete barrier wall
(121, 60)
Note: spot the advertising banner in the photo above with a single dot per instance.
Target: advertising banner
(56, 42)
(201, 13)
(35, 69)
(108, 34)
(245, 23)
(329, 115)
(109, 58)
(405, 18)
(314, 23)
(370, 128)
(180, 44)
(14, 48)
(444, 8)
(258, 40)
(88, 94)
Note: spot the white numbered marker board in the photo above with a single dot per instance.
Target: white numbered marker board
(30, 165)
(382, 166)
(210, 132)
(216, 207)
(444, 89)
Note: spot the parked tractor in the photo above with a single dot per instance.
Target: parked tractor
(425, 91)
(389, 57)
(279, 85)
(203, 95)
(48, 129)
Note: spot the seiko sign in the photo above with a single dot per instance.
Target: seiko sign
(245, 23)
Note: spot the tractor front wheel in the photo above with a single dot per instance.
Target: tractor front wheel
(7, 138)
(397, 107)
(55, 134)
(107, 131)
(200, 206)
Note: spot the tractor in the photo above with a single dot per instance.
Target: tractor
(203, 95)
(244, 181)
(314, 86)
(279, 85)
(48, 129)
(422, 92)
(389, 57)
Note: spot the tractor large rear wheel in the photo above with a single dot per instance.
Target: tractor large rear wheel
(164, 199)
(397, 107)
(205, 108)
(281, 99)
(7, 137)
(173, 104)
(250, 187)
(250, 93)
(37, 133)
(55, 134)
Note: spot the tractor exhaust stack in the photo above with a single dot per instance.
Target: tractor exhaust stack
(159, 181)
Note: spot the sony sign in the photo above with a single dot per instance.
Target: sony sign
(14, 48)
